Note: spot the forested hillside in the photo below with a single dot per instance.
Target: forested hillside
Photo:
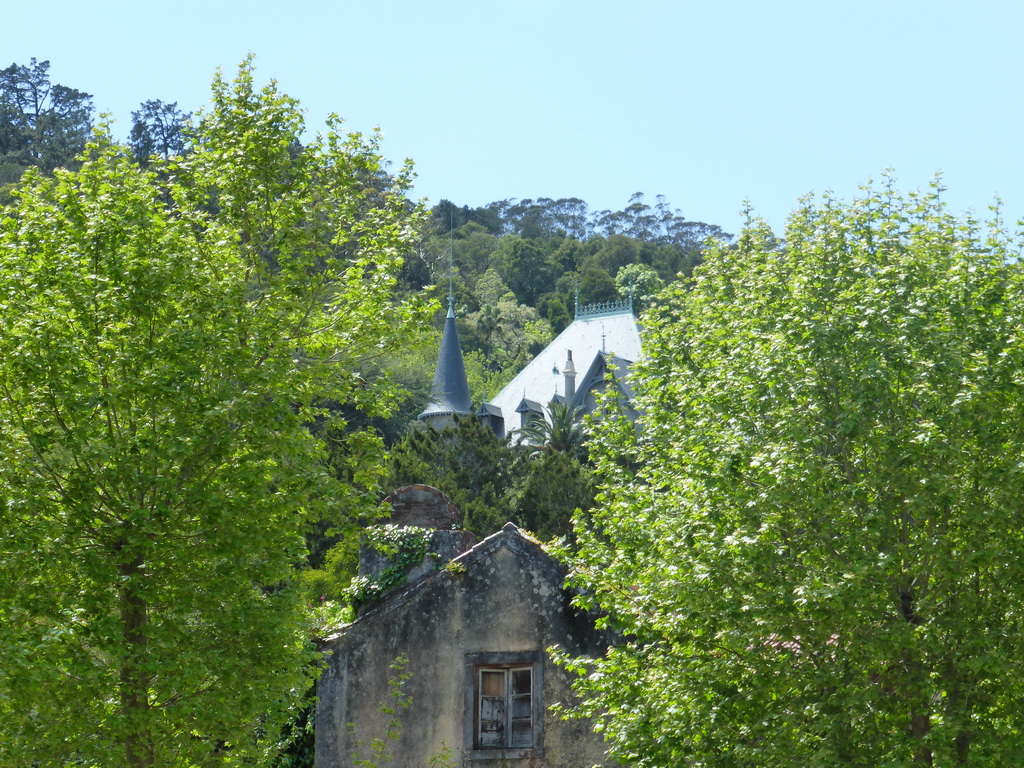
(519, 266)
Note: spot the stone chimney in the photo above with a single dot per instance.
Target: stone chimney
(420, 507)
(570, 379)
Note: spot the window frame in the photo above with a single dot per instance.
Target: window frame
(476, 663)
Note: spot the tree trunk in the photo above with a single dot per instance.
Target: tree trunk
(957, 709)
(920, 724)
(139, 752)
(920, 720)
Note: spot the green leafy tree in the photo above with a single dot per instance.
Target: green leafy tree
(596, 286)
(641, 282)
(42, 124)
(615, 253)
(556, 311)
(490, 288)
(813, 544)
(474, 248)
(524, 268)
(508, 333)
(158, 129)
(493, 481)
(166, 342)
(468, 463)
(554, 486)
(484, 374)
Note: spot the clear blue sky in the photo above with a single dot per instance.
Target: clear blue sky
(707, 103)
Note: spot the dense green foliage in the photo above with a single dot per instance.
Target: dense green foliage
(491, 480)
(158, 129)
(168, 339)
(813, 544)
(42, 124)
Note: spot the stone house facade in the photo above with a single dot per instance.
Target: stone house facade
(473, 632)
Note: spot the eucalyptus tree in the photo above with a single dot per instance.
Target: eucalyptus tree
(812, 543)
(167, 338)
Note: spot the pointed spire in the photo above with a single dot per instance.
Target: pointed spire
(449, 394)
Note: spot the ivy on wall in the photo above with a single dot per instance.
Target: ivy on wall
(404, 546)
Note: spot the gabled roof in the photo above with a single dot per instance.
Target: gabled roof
(488, 410)
(510, 536)
(595, 375)
(529, 406)
(450, 391)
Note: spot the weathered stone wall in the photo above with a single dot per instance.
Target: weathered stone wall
(503, 596)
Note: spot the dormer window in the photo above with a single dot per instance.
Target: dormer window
(529, 411)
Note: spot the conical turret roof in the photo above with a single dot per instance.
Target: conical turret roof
(450, 392)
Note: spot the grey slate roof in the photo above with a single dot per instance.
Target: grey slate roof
(488, 410)
(614, 332)
(450, 391)
(530, 406)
